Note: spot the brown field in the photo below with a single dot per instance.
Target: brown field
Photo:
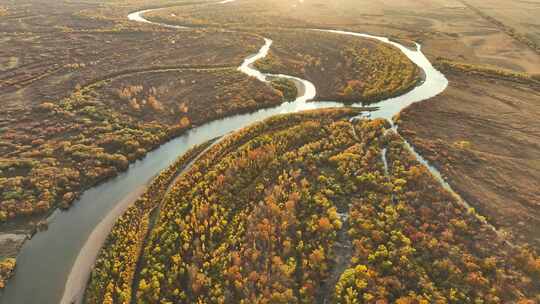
(521, 16)
(446, 28)
(35, 69)
(483, 134)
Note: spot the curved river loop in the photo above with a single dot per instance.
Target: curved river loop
(55, 265)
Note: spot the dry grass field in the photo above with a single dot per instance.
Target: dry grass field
(483, 134)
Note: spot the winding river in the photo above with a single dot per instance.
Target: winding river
(54, 265)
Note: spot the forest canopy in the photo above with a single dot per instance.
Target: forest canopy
(306, 208)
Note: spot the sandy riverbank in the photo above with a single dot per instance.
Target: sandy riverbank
(80, 273)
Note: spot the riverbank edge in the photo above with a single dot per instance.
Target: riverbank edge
(145, 204)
